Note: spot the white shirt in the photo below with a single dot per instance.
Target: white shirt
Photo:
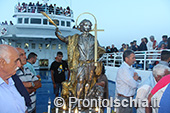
(125, 83)
(150, 45)
(10, 99)
(142, 93)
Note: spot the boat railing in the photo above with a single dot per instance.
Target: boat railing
(145, 60)
(47, 10)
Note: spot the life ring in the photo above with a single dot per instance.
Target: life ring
(3, 31)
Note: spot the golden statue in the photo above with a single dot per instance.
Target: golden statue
(81, 63)
(83, 51)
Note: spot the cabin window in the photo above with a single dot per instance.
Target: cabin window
(68, 24)
(62, 23)
(26, 20)
(54, 46)
(43, 62)
(26, 46)
(18, 45)
(33, 45)
(45, 21)
(56, 22)
(40, 46)
(35, 21)
(19, 20)
(59, 46)
(47, 46)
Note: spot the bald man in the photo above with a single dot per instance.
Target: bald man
(10, 99)
(30, 81)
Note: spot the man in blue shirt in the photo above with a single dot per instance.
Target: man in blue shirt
(32, 57)
(11, 100)
(164, 41)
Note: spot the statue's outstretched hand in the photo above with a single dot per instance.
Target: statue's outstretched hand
(56, 30)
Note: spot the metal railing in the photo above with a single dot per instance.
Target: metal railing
(145, 60)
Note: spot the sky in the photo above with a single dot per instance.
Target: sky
(122, 20)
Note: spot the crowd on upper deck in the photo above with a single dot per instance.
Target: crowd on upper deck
(145, 45)
(38, 7)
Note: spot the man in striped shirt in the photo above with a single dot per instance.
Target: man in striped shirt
(30, 81)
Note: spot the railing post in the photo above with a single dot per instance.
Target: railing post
(144, 65)
(107, 59)
(114, 62)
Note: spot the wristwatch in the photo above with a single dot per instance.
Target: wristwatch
(33, 85)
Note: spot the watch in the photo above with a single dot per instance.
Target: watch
(33, 85)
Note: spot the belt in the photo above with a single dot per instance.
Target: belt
(124, 96)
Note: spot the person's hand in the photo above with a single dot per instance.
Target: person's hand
(38, 76)
(135, 77)
(37, 84)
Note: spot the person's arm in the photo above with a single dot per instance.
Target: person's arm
(38, 76)
(136, 76)
(52, 77)
(126, 76)
(102, 83)
(30, 88)
(37, 84)
(27, 84)
(149, 108)
(63, 39)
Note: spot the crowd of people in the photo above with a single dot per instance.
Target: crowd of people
(6, 23)
(50, 9)
(154, 90)
(145, 45)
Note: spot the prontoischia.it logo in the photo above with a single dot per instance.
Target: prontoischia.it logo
(59, 102)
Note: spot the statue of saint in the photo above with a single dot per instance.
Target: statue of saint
(80, 49)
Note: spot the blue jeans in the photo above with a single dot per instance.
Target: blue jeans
(57, 90)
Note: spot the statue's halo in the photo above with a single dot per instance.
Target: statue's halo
(89, 14)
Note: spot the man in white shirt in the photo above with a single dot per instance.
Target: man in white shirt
(10, 99)
(126, 81)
